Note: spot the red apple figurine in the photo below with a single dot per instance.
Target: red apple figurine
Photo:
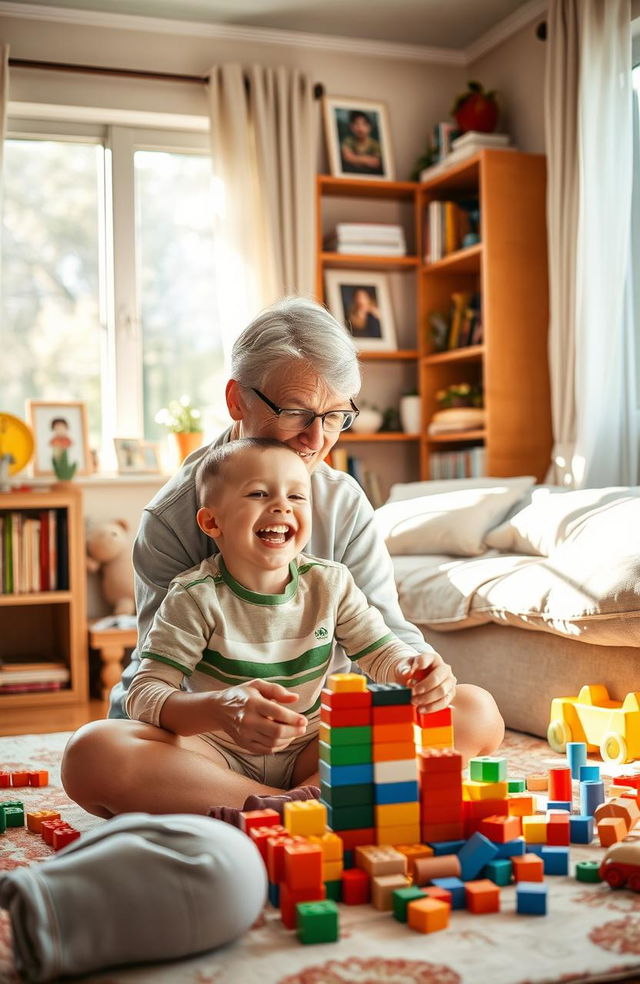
(476, 109)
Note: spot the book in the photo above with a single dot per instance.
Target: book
(460, 301)
(7, 586)
(12, 673)
(62, 549)
(476, 138)
(43, 552)
(370, 249)
(369, 232)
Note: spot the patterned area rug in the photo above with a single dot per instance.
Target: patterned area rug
(590, 933)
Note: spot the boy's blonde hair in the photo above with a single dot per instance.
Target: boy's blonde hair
(212, 466)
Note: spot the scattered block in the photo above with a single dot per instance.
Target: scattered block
(428, 915)
(528, 868)
(442, 866)
(36, 817)
(611, 830)
(555, 860)
(13, 813)
(488, 768)
(250, 819)
(477, 852)
(531, 898)
(455, 887)
(401, 898)
(38, 777)
(61, 836)
(588, 871)
(499, 871)
(317, 922)
(538, 782)
(482, 895)
(581, 829)
(356, 887)
(382, 889)
(576, 757)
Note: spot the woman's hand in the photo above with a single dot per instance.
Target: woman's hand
(432, 682)
(255, 717)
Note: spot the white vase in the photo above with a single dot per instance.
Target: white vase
(368, 421)
(411, 414)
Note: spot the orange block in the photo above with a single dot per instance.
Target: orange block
(501, 829)
(302, 865)
(428, 915)
(626, 808)
(396, 731)
(396, 751)
(521, 805)
(434, 737)
(482, 895)
(38, 777)
(35, 819)
(538, 782)
(412, 853)
(528, 867)
(260, 837)
(611, 830)
(437, 892)
(398, 833)
(275, 855)
(335, 700)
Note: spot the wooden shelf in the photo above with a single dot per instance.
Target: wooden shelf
(457, 436)
(393, 355)
(462, 261)
(349, 438)
(470, 353)
(356, 261)
(366, 188)
(35, 598)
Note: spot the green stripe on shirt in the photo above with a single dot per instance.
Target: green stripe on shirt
(313, 657)
(170, 662)
(374, 645)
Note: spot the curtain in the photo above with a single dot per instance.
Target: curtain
(589, 143)
(263, 132)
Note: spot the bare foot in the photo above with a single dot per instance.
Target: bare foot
(229, 814)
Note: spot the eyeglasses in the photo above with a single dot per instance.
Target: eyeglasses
(333, 421)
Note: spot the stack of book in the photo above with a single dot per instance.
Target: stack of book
(368, 238)
(368, 480)
(22, 678)
(455, 419)
(33, 551)
(468, 463)
(448, 224)
(465, 146)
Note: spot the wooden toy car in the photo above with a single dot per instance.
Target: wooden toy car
(620, 866)
(611, 727)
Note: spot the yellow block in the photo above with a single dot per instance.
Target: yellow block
(391, 814)
(434, 737)
(305, 817)
(332, 870)
(520, 805)
(534, 829)
(341, 683)
(473, 789)
(398, 834)
(331, 845)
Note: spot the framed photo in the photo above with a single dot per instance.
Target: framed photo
(360, 300)
(137, 457)
(358, 139)
(58, 429)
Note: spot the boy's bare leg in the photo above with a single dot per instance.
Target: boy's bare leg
(478, 728)
(112, 767)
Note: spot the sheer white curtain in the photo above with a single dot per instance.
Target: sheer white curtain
(590, 149)
(263, 133)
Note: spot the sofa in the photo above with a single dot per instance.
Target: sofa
(529, 591)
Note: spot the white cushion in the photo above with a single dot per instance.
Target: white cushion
(411, 490)
(452, 522)
(550, 518)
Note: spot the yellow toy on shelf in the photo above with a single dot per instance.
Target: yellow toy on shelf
(611, 727)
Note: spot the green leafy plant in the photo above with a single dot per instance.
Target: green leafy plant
(63, 468)
(180, 417)
(460, 395)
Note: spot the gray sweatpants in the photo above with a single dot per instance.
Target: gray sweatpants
(137, 888)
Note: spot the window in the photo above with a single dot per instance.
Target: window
(108, 278)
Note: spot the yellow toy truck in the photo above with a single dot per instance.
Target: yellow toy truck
(611, 727)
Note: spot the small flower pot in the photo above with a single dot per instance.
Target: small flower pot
(182, 444)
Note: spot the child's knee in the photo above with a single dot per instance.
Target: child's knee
(477, 714)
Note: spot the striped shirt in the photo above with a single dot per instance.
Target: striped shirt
(211, 633)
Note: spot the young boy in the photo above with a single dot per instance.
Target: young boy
(260, 615)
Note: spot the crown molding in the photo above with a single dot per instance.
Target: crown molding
(227, 32)
(510, 25)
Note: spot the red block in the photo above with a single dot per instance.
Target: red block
(439, 760)
(434, 719)
(260, 837)
(47, 828)
(340, 701)
(5, 780)
(259, 818)
(38, 777)
(20, 778)
(275, 855)
(356, 838)
(392, 713)
(62, 836)
(431, 833)
(558, 830)
(446, 813)
(436, 891)
(560, 784)
(440, 795)
(290, 898)
(347, 718)
(356, 887)
(501, 829)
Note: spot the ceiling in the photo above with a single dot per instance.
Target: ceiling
(453, 24)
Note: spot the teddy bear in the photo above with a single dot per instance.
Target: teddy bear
(109, 551)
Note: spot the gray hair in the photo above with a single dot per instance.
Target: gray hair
(212, 465)
(297, 328)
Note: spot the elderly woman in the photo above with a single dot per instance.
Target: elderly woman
(295, 377)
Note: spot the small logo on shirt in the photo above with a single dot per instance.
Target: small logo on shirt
(321, 633)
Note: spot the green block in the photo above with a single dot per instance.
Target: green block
(358, 795)
(488, 768)
(3, 822)
(362, 735)
(499, 871)
(588, 871)
(13, 813)
(345, 755)
(317, 922)
(350, 817)
(334, 890)
(516, 786)
(401, 898)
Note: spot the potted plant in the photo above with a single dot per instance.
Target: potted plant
(183, 421)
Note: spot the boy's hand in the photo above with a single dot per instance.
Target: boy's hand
(432, 682)
(253, 715)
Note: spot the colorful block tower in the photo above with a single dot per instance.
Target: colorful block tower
(395, 770)
(440, 769)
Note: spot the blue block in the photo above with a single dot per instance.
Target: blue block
(395, 792)
(591, 796)
(576, 757)
(581, 830)
(274, 895)
(512, 848)
(589, 773)
(345, 775)
(559, 805)
(457, 889)
(555, 860)
(499, 871)
(477, 852)
(534, 849)
(446, 847)
(531, 898)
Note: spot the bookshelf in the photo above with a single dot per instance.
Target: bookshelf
(47, 625)
(508, 268)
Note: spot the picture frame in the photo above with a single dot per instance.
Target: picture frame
(360, 300)
(358, 138)
(59, 426)
(137, 457)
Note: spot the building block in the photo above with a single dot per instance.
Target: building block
(439, 760)
(396, 814)
(591, 796)
(528, 868)
(611, 830)
(482, 895)
(588, 871)
(382, 889)
(499, 871)
(559, 829)
(258, 818)
(399, 834)
(350, 817)
(516, 785)
(317, 922)
(432, 833)
(20, 777)
(560, 784)
(455, 887)
(395, 792)
(537, 782)
(47, 828)
(488, 768)
(274, 895)
(3, 822)
(395, 751)
(401, 898)
(433, 737)
(521, 805)
(472, 790)
(35, 818)
(334, 889)
(330, 844)
(345, 699)
(389, 693)
(441, 813)
(514, 848)
(62, 836)
(589, 773)
(531, 899)
(447, 847)
(302, 866)
(534, 829)
(396, 771)
(275, 855)
(13, 813)
(501, 829)
(343, 775)
(392, 713)
(289, 899)
(380, 860)
(444, 866)
(340, 683)
(397, 731)
(340, 737)
(477, 852)
(38, 777)
(356, 887)
(564, 805)
(555, 860)
(412, 852)
(332, 871)
(345, 717)
(576, 757)
(428, 915)
(437, 892)
(357, 795)
(434, 719)
(344, 754)
(355, 838)
(260, 837)
(581, 829)
(5, 779)
(625, 808)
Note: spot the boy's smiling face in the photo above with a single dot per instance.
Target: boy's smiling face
(259, 514)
